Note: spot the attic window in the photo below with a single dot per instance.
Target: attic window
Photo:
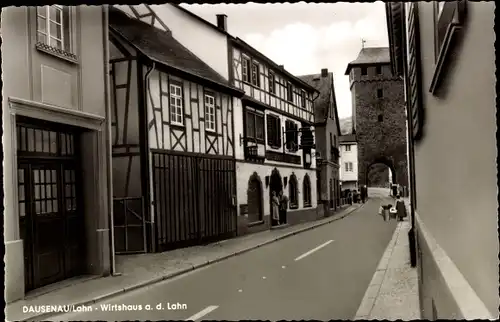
(364, 71)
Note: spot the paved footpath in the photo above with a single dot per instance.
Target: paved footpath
(318, 274)
(146, 269)
(393, 291)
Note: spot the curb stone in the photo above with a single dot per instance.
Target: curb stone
(168, 276)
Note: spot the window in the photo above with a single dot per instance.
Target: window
(307, 191)
(303, 99)
(292, 136)
(289, 96)
(348, 147)
(380, 118)
(54, 27)
(364, 71)
(176, 110)
(379, 70)
(272, 83)
(293, 192)
(245, 62)
(348, 166)
(255, 126)
(380, 93)
(209, 112)
(255, 74)
(274, 131)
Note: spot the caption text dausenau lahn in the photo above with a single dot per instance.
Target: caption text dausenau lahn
(103, 307)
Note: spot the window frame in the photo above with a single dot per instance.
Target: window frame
(348, 147)
(378, 70)
(177, 108)
(207, 113)
(380, 93)
(66, 50)
(256, 115)
(272, 82)
(275, 142)
(245, 65)
(364, 71)
(256, 81)
(289, 92)
(380, 118)
(293, 137)
(303, 98)
(348, 166)
(447, 22)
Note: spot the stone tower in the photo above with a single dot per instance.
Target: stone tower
(378, 114)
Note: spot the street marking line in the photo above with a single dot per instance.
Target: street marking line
(313, 250)
(202, 313)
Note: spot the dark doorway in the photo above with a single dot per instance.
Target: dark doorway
(276, 186)
(50, 202)
(254, 199)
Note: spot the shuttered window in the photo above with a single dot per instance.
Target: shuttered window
(414, 77)
(273, 131)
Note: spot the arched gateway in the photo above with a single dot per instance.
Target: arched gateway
(378, 112)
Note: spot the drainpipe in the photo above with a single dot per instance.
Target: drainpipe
(109, 165)
(411, 151)
(151, 219)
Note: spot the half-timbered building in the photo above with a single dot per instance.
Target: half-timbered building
(54, 138)
(274, 139)
(173, 140)
(327, 140)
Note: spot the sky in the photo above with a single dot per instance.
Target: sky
(306, 37)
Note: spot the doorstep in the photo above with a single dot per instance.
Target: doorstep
(145, 269)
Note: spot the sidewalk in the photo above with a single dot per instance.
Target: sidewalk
(146, 269)
(393, 290)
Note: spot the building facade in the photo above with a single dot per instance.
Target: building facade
(271, 155)
(445, 53)
(55, 126)
(348, 162)
(173, 133)
(327, 140)
(378, 113)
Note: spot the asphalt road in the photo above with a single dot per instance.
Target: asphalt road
(319, 274)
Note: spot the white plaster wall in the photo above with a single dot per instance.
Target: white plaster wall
(349, 156)
(205, 42)
(245, 170)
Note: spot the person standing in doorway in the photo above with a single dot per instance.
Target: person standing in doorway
(283, 208)
(275, 208)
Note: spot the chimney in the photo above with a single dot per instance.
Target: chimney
(222, 22)
(324, 72)
(281, 66)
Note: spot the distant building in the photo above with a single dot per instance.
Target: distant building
(378, 113)
(445, 52)
(348, 162)
(327, 139)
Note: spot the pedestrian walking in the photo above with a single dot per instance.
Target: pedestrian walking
(283, 208)
(400, 208)
(275, 209)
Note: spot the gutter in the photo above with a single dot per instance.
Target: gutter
(109, 136)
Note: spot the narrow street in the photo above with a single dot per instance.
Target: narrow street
(319, 274)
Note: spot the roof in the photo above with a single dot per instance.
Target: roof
(370, 56)
(161, 47)
(349, 138)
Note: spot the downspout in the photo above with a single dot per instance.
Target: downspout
(152, 218)
(411, 150)
(109, 153)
